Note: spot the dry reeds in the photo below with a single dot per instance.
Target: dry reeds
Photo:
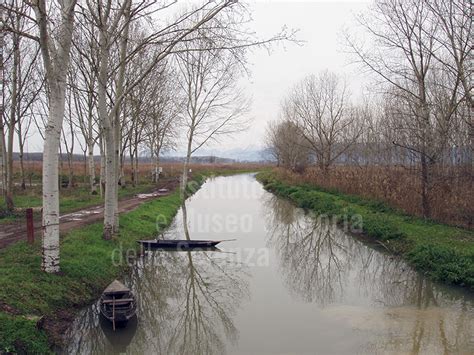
(451, 192)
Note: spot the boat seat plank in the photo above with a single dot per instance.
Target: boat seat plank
(118, 301)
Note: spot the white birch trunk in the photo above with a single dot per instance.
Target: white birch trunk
(55, 55)
(50, 179)
(109, 138)
(110, 184)
(184, 180)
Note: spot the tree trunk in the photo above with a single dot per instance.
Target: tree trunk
(132, 167)
(70, 183)
(110, 184)
(184, 180)
(21, 146)
(3, 177)
(157, 167)
(425, 188)
(116, 115)
(109, 138)
(50, 175)
(22, 168)
(136, 182)
(91, 168)
(102, 166)
(13, 119)
(85, 174)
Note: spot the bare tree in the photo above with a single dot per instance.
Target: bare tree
(55, 49)
(83, 83)
(214, 104)
(163, 118)
(113, 23)
(288, 146)
(402, 32)
(23, 82)
(3, 175)
(69, 138)
(319, 107)
(455, 38)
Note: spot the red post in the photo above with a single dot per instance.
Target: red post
(30, 228)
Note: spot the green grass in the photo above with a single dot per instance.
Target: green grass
(17, 336)
(444, 253)
(87, 267)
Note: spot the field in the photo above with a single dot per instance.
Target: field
(79, 196)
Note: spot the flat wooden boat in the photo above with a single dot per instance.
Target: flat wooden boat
(179, 243)
(117, 304)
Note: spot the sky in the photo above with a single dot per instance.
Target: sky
(272, 75)
(320, 24)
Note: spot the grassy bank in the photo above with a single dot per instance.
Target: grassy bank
(443, 252)
(26, 293)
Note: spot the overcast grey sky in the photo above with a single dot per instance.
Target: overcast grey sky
(320, 24)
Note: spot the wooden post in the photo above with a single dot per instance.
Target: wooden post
(113, 313)
(30, 228)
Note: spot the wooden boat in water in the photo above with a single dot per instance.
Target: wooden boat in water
(117, 304)
(179, 243)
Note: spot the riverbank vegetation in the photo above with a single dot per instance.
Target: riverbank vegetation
(444, 253)
(36, 307)
(409, 139)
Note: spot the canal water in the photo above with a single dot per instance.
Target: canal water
(289, 284)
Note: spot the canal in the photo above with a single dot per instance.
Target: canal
(289, 284)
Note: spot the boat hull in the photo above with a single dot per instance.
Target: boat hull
(179, 244)
(117, 304)
(121, 320)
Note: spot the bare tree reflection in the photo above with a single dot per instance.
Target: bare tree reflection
(312, 256)
(406, 312)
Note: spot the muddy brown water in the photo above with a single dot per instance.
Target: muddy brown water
(289, 284)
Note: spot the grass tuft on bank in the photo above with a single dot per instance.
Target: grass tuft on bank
(443, 252)
(87, 266)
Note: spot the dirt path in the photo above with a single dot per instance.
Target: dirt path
(15, 231)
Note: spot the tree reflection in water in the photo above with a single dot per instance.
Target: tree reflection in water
(185, 304)
(312, 256)
(400, 310)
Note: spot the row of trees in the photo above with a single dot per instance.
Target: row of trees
(114, 76)
(418, 112)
